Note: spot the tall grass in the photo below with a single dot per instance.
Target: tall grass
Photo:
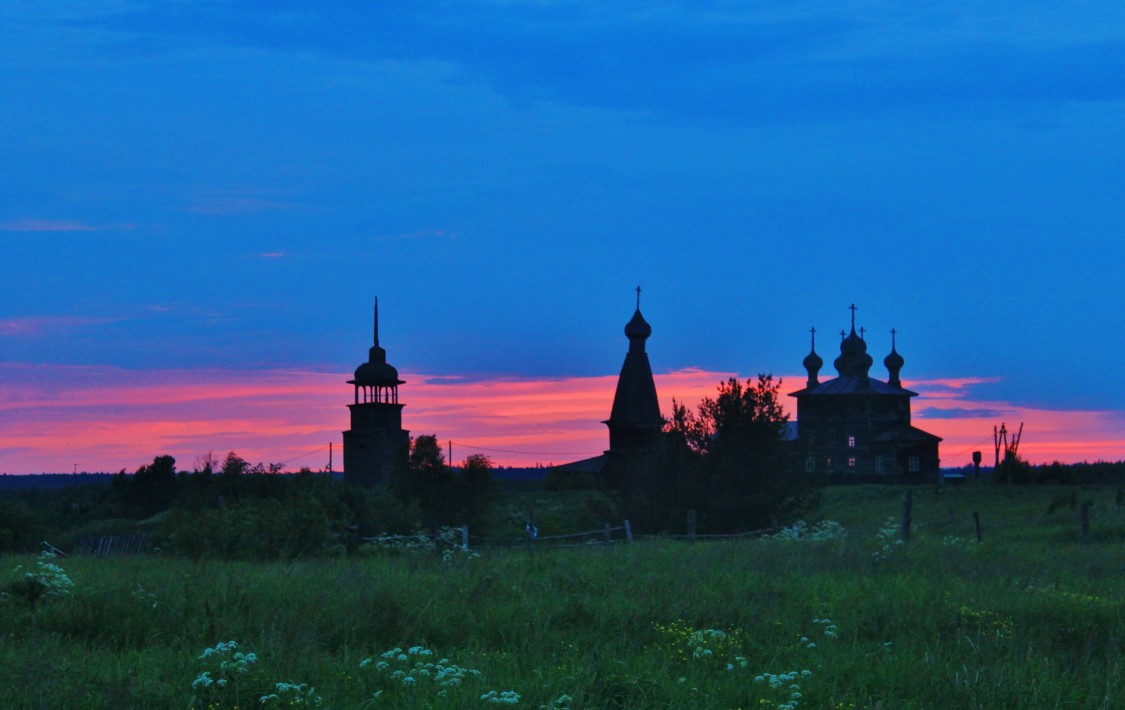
(1029, 618)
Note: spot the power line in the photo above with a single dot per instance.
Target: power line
(301, 456)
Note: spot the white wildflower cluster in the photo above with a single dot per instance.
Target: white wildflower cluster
(787, 683)
(739, 662)
(50, 576)
(886, 541)
(824, 531)
(563, 702)
(298, 695)
(700, 641)
(458, 552)
(226, 663)
(415, 668)
(504, 697)
(954, 541)
(447, 541)
(830, 629)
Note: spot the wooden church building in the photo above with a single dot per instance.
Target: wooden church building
(854, 427)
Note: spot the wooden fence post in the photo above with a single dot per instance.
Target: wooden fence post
(464, 538)
(628, 532)
(907, 504)
(532, 531)
(1086, 523)
(606, 533)
(976, 520)
(691, 525)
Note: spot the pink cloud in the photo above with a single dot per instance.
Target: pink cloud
(38, 325)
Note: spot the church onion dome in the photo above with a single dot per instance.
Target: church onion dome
(813, 362)
(894, 362)
(854, 360)
(638, 327)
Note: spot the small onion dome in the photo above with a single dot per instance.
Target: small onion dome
(894, 361)
(638, 327)
(812, 362)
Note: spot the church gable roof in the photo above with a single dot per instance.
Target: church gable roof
(855, 385)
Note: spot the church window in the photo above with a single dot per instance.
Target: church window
(878, 464)
(810, 464)
(914, 464)
(851, 462)
(851, 442)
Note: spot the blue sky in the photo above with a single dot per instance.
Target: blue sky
(229, 184)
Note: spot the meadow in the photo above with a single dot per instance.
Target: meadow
(833, 614)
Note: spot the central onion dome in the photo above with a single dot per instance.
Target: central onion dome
(637, 327)
(854, 360)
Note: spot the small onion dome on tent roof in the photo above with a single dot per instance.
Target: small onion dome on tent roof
(637, 327)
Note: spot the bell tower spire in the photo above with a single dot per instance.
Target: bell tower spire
(376, 442)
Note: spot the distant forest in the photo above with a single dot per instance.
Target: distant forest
(1100, 472)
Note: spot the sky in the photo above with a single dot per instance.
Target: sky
(201, 200)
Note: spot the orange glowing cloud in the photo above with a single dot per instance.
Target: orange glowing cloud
(105, 419)
(946, 407)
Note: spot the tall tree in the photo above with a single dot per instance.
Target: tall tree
(475, 488)
(743, 475)
(428, 481)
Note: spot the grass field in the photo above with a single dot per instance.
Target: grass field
(1030, 618)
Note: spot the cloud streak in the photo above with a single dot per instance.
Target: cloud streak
(46, 225)
(102, 418)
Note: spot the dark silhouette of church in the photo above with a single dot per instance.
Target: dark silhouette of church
(857, 428)
(634, 421)
(376, 444)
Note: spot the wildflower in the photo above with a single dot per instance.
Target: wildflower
(506, 697)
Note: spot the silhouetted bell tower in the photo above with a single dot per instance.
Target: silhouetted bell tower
(376, 443)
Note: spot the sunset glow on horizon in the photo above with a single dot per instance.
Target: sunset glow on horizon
(62, 418)
(201, 202)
